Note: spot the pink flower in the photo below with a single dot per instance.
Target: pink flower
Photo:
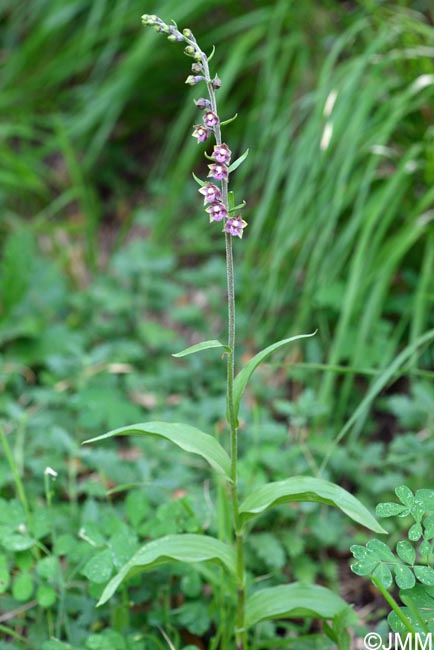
(210, 119)
(201, 133)
(222, 153)
(235, 226)
(219, 172)
(210, 192)
(217, 211)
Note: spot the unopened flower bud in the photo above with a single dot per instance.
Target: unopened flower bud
(172, 38)
(202, 103)
(193, 80)
(189, 50)
(196, 67)
(187, 33)
(148, 19)
(216, 83)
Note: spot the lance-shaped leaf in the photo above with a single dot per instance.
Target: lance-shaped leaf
(244, 375)
(238, 161)
(205, 345)
(198, 180)
(180, 548)
(231, 119)
(306, 488)
(184, 436)
(296, 600)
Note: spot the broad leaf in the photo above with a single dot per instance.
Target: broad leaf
(181, 548)
(205, 345)
(244, 375)
(296, 600)
(184, 436)
(305, 488)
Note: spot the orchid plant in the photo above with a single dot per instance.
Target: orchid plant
(246, 604)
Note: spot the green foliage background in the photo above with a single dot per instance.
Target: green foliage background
(108, 266)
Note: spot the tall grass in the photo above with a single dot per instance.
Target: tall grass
(340, 234)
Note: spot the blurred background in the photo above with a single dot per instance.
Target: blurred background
(108, 263)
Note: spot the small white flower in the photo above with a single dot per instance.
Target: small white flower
(49, 471)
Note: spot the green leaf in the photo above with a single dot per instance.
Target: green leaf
(404, 576)
(381, 550)
(46, 595)
(187, 548)
(383, 574)
(22, 587)
(425, 548)
(305, 488)
(427, 498)
(406, 551)
(296, 600)
(198, 180)
(405, 495)
(415, 532)
(367, 560)
(205, 345)
(231, 119)
(184, 436)
(389, 509)
(99, 568)
(17, 542)
(244, 375)
(238, 161)
(424, 574)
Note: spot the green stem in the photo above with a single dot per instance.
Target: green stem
(394, 605)
(240, 631)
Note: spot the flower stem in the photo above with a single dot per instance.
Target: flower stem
(240, 631)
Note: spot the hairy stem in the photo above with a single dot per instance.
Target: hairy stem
(240, 631)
